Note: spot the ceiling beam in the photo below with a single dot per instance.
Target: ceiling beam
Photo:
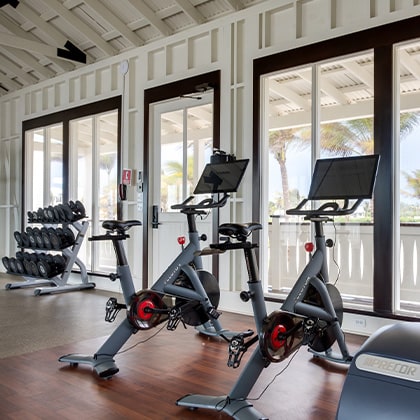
(288, 93)
(190, 11)
(150, 15)
(16, 30)
(52, 35)
(358, 71)
(27, 60)
(30, 46)
(409, 63)
(18, 72)
(235, 4)
(80, 26)
(9, 83)
(327, 87)
(98, 8)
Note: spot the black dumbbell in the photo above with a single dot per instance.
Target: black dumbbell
(30, 217)
(27, 266)
(56, 214)
(31, 237)
(55, 238)
(69, 236)
(52, 267)
(62, 238)
(45, 234)
(18, 238)
(65, 213)
(6, 263)
(12, 265)
(19, 262)
(34, 268)
(25, 240)
(78, 209)
(61, 217)
(38, 237)
(40, 215)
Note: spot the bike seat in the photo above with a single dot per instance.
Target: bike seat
(120, 225)
(235, 230)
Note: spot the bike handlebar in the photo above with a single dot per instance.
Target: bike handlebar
(330, 208)
(205, 204)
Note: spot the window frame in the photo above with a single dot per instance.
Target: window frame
(162, 93)
(381, 40)
(64, 118)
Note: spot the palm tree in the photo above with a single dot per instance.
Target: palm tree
(173, 175)
(107, 163)
(278, 143)
(413, 182)
(347, 138)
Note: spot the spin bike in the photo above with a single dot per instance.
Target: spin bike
(184, 293)
(313, 310)
(310, 315)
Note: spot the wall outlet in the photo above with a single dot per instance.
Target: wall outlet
(360, 323)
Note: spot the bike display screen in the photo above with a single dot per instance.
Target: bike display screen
(223, 177)
(344, 178)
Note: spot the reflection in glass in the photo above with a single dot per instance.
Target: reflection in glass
(408, 281)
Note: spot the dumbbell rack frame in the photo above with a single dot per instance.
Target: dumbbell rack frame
(58, 284)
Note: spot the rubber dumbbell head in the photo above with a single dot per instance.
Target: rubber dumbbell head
(25, 240)
(18, 238)
(6, 263)
(69, 237)
(46, 238)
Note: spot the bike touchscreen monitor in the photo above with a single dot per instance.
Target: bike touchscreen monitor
(222, 177)
(344, 178)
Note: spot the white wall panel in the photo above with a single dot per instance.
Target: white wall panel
(352, 13)
(314, 17)
(278, 25)
(156, 64)
(176, 57)
(229, 45)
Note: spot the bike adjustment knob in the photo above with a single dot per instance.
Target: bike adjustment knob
(114, 276)
(203, 237)
(329, 243)
(246, 295)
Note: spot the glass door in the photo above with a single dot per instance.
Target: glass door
(94, 180)
(43, 167)
(182, 142)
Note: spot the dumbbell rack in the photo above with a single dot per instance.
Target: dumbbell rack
(59, 283)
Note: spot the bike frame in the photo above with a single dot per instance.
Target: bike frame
(314, 274)
(188, 261)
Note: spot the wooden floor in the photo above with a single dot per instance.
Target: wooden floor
(154, 374)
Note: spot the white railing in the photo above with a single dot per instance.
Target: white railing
(351, 257)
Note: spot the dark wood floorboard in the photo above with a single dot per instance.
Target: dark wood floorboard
(154, 374)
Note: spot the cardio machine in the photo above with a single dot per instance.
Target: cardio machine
(312, 312)
(184, 293)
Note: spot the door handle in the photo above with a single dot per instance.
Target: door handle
(155, 217)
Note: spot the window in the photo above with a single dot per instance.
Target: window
(74, 155)
(394, 50)
(186, 145)
(94, 179)
(44, 166)
(407, 293)
(325, 110)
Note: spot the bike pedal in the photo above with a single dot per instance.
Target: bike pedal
(112, 308)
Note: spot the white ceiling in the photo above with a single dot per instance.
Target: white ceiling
(31, 31)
